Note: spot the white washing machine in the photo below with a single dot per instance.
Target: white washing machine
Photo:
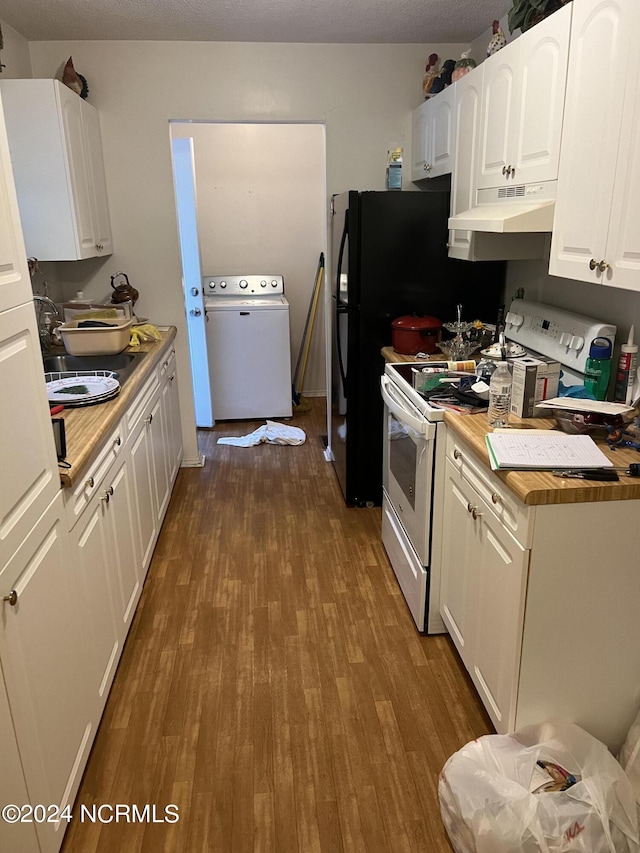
(248, 346)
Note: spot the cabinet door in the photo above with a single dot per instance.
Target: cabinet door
(600, 47)
(468, 104)
(30, 466)
(158, 435)
(144, 487)
(420, 140)
(534, 149)
(172, 421)
(441, 131)
(79, 171)
(13, 836)
(499, 571)
(498, 109)
(97, 181)
(125, 548)
(623, 246)
(15, 287)
(456, 602)
(43, 643)
(98, 579)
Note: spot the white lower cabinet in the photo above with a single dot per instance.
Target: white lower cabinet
(482, 595)
(43, 649)
(541, 601)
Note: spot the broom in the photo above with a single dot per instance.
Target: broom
(305, 344)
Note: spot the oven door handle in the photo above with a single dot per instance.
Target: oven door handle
(396, 406)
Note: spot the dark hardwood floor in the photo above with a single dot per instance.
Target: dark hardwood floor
(273, 685)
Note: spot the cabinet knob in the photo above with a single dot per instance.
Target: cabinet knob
(512, 170)
(117, 442)
(495, 498)
(504, 170)
(106, 497)
(99, 246)
(110, 490)
(598, 265)
(12, 598)
(89, 482)
(475, 514)
(172, 377)
(470, 507)
(149, 419)
(457, 454)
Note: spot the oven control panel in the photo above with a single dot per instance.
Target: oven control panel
(553, 332)
(243, 285)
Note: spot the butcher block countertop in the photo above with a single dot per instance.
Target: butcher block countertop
(537, 488)
(87, 427)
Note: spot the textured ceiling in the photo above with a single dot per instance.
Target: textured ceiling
(321, 21)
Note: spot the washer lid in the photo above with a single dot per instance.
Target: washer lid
(226, 303)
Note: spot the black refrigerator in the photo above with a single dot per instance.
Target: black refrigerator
(388, 258)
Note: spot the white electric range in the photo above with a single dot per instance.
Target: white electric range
(413, 457)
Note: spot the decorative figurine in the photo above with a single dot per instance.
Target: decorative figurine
(430, 74)
(76, 82)
(463, 65)
(498, 39)
(444, 79)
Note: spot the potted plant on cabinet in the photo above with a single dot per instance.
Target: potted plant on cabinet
(524, 14)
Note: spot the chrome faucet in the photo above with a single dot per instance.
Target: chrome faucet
(44, 333)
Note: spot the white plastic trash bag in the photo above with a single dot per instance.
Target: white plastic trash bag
(551, 788)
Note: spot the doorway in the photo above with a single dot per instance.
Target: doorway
(257, 205)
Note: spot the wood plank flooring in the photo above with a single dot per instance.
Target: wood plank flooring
(273, 685)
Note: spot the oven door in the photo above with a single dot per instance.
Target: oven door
(408, 459)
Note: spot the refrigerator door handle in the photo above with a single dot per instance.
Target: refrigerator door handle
(343, 376)
(343, 242)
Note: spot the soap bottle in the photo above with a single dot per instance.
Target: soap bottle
(626, 373)
(598, 368)
(499, 396)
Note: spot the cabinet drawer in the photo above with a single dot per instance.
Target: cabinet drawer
(77, 498)
(511, 512)
(167, 365)
(139, 408)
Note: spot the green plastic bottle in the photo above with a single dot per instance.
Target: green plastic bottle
(598, 368)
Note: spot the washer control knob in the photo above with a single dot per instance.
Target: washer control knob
(274, 283)
(223, 284)
(244, 283)
(212, 285)
(263, 283)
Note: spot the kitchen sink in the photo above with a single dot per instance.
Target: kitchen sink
(123, 364)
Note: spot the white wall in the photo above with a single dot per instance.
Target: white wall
(15, 54)
(260, 207)
(363, 93)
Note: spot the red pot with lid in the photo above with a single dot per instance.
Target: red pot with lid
(412, 334)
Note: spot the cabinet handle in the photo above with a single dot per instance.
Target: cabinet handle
(172, 377)
(89, 482)
(470, 507)
(603, 265)
(513, 170)
(165, 365)
(475, 514)
(149, 419)
(106, 497)
(117, 442)
(504, 170)
(99, 246)
(12, 598)
(495, 498)
(110, 490)
(457, 454)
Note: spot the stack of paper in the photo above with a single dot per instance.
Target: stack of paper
(543, 450)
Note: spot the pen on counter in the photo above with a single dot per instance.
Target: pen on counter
(604, 474)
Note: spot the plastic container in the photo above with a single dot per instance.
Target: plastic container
(97, 340)
(626, 373)
(499, 396)
(598, 368)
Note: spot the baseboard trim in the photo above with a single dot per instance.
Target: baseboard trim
(193, 461)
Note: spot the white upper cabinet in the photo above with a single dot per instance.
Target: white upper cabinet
(596, 234)
(468, 104)
(56, 153)
(432, 136)
(523, 103)
(15, 287)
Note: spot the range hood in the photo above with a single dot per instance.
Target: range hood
(510, 210)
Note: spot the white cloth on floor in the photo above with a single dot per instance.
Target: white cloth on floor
(272, 433)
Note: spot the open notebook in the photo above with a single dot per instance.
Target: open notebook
(542, 450)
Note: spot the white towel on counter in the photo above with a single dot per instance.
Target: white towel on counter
(271, 433)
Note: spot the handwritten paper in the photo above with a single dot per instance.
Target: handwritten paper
(542, 451)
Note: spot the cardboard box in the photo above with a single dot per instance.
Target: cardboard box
(534, 380)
